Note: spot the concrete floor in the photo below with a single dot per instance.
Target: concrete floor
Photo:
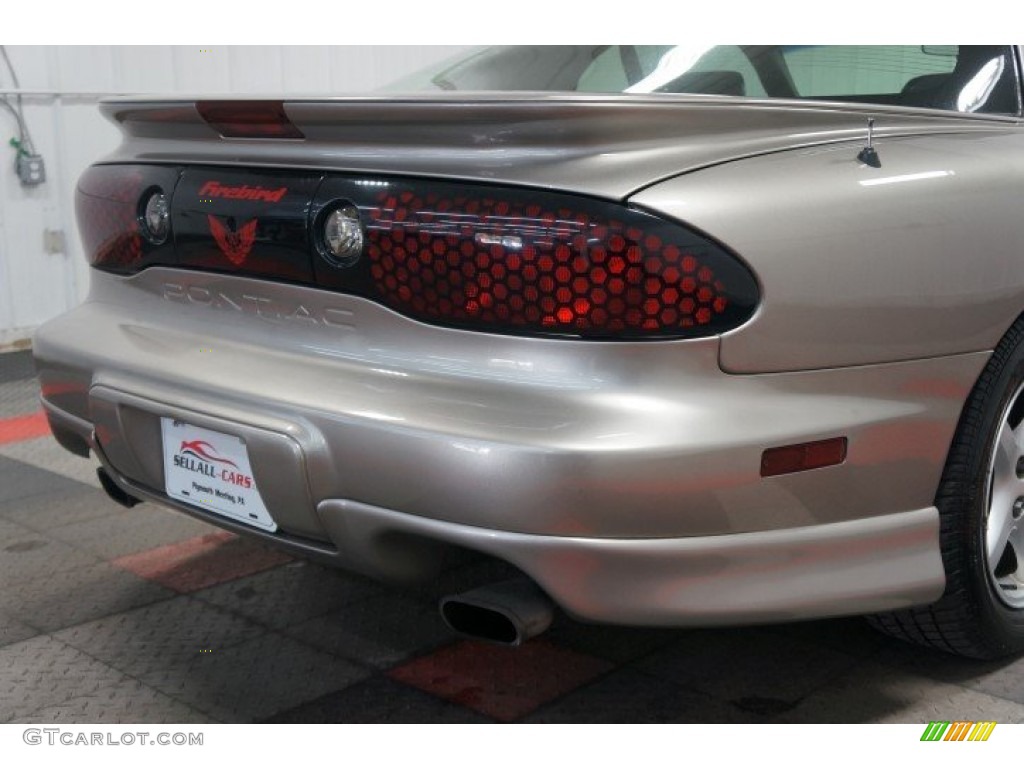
(145, 615)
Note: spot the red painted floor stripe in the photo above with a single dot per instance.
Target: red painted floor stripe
(203, 561)
(23, 427)
(505, 683)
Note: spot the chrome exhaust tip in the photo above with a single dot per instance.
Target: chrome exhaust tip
(508, 613)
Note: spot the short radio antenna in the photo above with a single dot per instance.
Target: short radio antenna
(868, 155)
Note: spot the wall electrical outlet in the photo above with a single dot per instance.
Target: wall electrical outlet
(31, 170)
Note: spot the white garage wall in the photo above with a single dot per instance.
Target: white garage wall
(61, 86)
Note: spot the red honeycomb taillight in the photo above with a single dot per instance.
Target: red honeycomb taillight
(110, 206)
(537, 262)
(106, 204)
(472, 256)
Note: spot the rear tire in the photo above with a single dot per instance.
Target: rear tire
(981, 511)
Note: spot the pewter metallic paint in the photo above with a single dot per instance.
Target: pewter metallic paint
(605, 146)
(922, 257)
(616, 439)
(623, 477)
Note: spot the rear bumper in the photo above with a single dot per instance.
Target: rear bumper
(862, 566)
(624, 478)
(844, 568)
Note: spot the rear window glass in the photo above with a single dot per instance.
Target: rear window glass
(832, 70)
(962, 78)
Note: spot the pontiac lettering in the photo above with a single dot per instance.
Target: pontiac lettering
(259, 306)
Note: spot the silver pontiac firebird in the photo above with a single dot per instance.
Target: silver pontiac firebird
(687, 335)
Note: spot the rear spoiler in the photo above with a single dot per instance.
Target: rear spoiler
(608, 146)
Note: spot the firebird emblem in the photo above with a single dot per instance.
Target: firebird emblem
(234, 245)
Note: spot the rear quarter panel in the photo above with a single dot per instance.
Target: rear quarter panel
(921, 257)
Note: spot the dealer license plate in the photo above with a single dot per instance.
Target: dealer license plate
(211, 470)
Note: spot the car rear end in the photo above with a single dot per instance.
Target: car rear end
(306, 326)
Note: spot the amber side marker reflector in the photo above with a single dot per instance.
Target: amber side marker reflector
(249, 119)
(803, 456)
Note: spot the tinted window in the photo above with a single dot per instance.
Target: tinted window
(964, 78)
(722, 69)
(830, 70)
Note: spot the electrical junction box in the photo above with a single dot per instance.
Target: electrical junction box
(31, 170)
